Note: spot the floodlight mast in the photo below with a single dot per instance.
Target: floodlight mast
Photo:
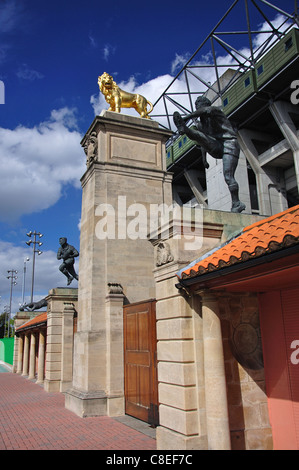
(24, 279)
(34, 242)
(12, 276)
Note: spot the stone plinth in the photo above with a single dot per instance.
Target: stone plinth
(124, 178)
(20, 318)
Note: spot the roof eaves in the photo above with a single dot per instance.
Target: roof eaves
(238, 266)
(265, 243)
(206, 255)
(30, 324)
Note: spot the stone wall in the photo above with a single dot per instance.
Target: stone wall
(210, 365)
(180, 371)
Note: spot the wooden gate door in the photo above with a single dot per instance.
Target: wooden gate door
(141, 385)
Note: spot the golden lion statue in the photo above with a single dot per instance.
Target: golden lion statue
(118, 98)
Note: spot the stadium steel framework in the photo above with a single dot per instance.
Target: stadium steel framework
(239, 57)
(250, 72)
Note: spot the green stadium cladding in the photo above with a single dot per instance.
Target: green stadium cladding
(284, 53)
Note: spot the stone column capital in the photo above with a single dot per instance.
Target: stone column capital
(208, 296)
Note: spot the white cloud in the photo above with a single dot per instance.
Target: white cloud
(10, 15)
(4, 48)
(36, 162)
(92, 41)
(13, 17)
(179, 62)
(277, 23)
(26, 73)
(108, 50)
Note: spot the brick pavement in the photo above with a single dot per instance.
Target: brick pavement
(32, 419)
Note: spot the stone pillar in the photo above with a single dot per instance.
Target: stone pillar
(219, 197)
(26, 356)
(126, 175)
(41, 357)
(32, 357)
(115, 351)
(55, 341)
(19, 319)
(270, 202)
(281, 112)
(180, 369)
(15, 355)
(214, 377)
(53, 356)
(20, 353)
(67, 346)
(192, 176)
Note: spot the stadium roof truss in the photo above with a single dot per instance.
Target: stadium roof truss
(237, 50)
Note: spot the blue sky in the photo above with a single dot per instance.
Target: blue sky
(51, 54)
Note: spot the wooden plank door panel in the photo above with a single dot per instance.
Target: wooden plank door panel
(141, 394)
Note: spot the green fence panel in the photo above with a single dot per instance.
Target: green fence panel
(6, 350)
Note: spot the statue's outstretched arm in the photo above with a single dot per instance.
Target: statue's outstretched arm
(198, 113)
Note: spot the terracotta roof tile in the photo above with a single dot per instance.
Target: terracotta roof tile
(41, 318)
(268, 235)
